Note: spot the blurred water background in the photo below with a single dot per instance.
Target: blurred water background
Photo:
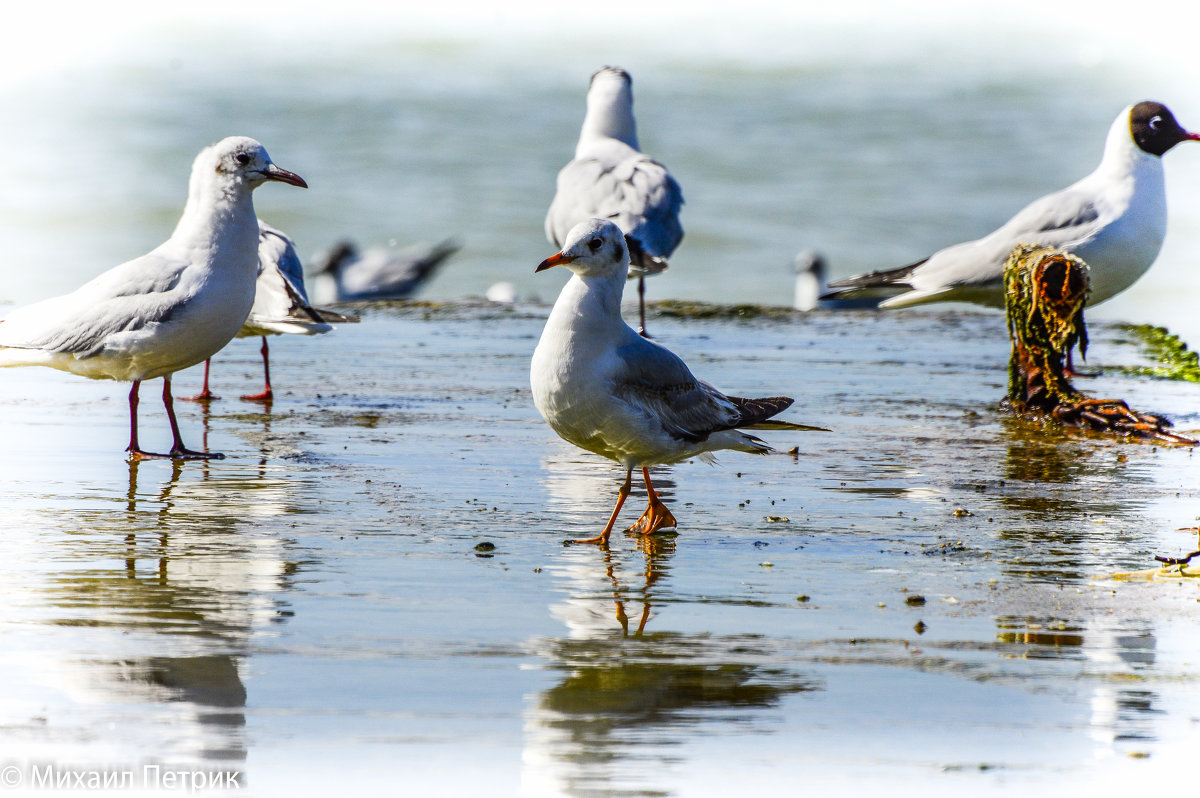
(874, 132)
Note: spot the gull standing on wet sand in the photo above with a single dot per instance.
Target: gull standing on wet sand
(610, 178)
(280, 306)
(170, 309)
(608, 390)
(1115, 219)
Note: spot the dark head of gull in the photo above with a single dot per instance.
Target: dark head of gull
(1154, 128)
(615, 70)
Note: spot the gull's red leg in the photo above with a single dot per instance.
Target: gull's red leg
(267, 394)
(205, 394)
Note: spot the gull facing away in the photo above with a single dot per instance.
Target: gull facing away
(381, 273)
(1115, 219)
(605, 388)
(280, 305)
(170, 309)
(610, 178)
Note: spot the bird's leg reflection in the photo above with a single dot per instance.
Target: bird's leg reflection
(654, 549)
(164, 496)
(656, 515)
(131, 496)
(622, 493)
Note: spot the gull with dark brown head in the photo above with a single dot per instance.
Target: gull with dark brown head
(1115, 219)
(173, 307)
(608, 390)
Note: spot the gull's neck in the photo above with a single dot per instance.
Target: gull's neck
(1124, 159)
(217, 213)
(588, 305)
(609, 116)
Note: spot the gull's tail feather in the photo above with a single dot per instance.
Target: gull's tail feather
(787, 425)
(333, 317)
(875, 285)
(437, 256)
(641, 262)
(757, 413)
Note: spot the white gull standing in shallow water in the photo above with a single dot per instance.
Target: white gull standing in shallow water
(280, 305)
(1115, 219)
(610, 178)
(608, 390)
(170, 309)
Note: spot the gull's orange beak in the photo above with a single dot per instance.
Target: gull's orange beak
(552, 261)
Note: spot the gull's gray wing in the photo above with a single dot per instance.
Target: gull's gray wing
(1063, 219)
(126, 299)
(634, 191)
(657, 382)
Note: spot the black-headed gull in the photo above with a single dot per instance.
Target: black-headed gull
(280, 306)
(609, 178)
(603, 387)
(170, 309)
(811, 274)
(1115, 219)
(379, 274)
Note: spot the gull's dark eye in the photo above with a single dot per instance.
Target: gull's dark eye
(242, 158)
(594, 244)
(1154, 122)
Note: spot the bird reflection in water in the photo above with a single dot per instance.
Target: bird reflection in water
(172, 580)
(657, 551)
(1124, 708)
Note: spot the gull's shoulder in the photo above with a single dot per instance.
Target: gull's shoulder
(656, 381)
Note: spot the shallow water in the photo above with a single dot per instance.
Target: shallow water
(318, 609)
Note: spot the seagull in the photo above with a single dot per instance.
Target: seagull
(811, 273)
(280, 305)
(1115, 219)
(171, 308)
(380, 273)
(611, 179)
(605, 388)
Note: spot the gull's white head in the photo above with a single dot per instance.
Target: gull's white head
(239, 161)
(611, 85)
(594, 248)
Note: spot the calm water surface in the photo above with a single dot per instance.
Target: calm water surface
(319, 605)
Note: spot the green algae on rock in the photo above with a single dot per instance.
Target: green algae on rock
(706, 310)
(1175, 361)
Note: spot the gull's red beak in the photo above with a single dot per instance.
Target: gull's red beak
(552, 261)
